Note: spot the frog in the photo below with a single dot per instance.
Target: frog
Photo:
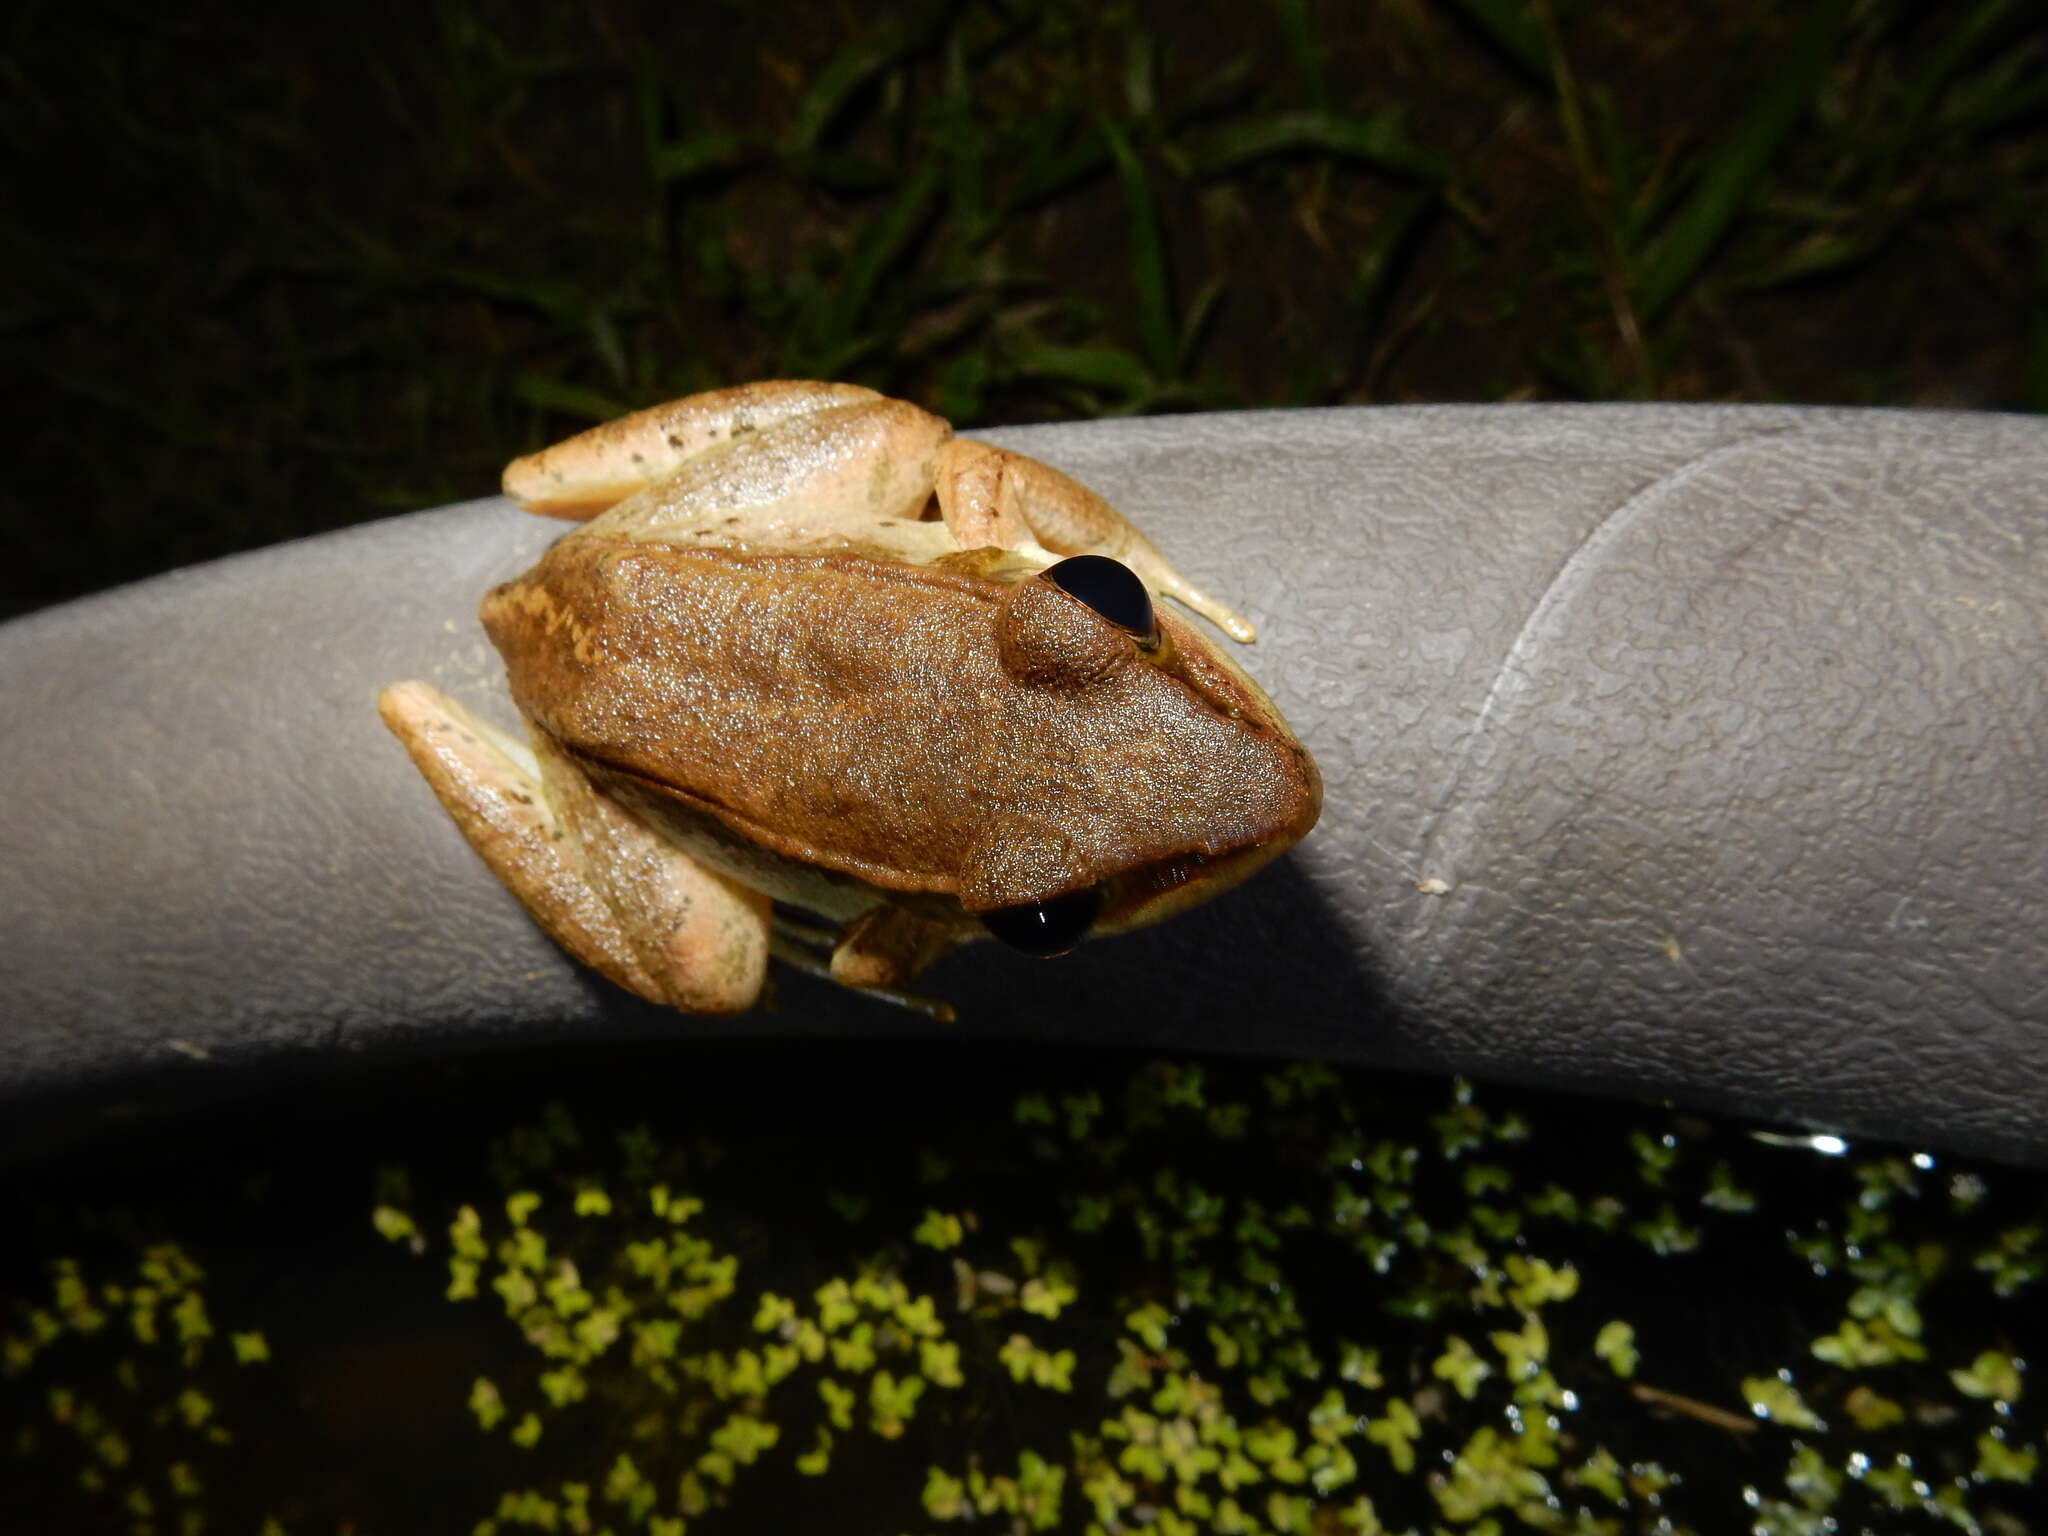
(815, 678)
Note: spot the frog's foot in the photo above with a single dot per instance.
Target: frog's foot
(868, 956)
(990, 496)
(603, 886)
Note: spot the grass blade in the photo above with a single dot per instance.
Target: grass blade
(1114, 369)
(1507, 26)
(1052, 168)
(2002, 108)
(842, 75)
(1195, 324)
(1379, 258)
(709, 150)
(964, 146)
(1696, 228)
(563, 302)
(837, 335)
(1149, 273)
(1304, 44)
(1375, 277)
(568, 399)
(1946, 58)
(1378, 140)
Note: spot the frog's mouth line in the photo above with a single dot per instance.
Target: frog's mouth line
(1169, 886)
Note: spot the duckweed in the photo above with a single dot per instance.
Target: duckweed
(1198, 1299)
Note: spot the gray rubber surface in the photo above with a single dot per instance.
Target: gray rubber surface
(1691, 752)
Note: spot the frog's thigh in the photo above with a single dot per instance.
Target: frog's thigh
(582, 475)
(990, 495)
(825, 477)
(680, 937)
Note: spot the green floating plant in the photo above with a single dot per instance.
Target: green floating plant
(132, 1387)
(1230, 1407)
(1203, 1298)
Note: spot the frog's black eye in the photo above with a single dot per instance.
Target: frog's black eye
(1111, 588)
(1046, 928)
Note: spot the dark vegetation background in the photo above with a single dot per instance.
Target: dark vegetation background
(273, 270)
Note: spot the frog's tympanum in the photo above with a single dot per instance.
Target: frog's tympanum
(812, 649)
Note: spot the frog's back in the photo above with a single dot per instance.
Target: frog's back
(853, 714)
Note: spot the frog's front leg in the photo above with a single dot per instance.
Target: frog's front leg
(873, 955)
(601, 883)
(991, 496)
(889, 945)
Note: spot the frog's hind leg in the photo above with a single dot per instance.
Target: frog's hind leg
(603, 885)
(581, 476)
(991, 496)
(857, 475)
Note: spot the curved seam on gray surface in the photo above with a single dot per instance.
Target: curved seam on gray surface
(1570, 578)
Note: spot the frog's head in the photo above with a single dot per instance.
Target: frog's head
(1161, 775)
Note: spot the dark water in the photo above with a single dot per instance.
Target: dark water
(1250, 1267)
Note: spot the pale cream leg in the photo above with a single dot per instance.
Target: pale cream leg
(582, 475)
(859, 473)
(992, 496)
(603, 886)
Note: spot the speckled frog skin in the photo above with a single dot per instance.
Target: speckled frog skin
(811, 648)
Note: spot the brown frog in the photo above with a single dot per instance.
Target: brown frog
(813, 649)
